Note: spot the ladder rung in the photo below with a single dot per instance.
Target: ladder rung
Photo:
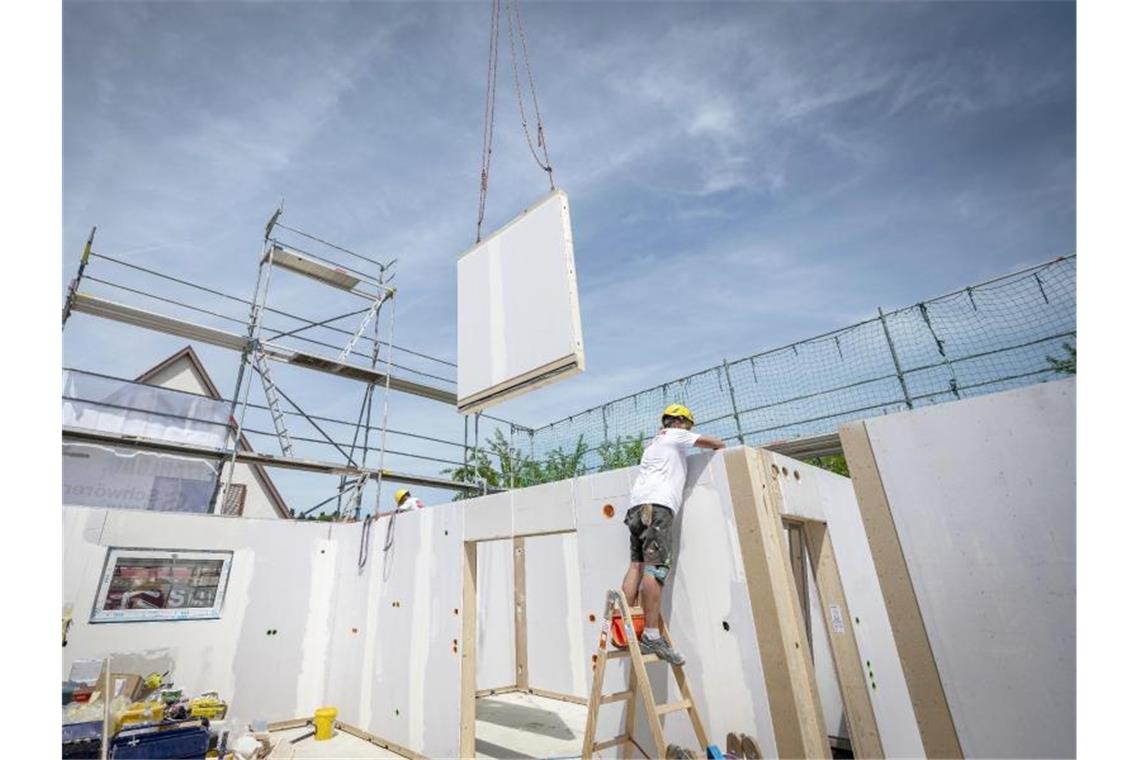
(684, 704)
(614, 742)
(625, 653)
(619, 696)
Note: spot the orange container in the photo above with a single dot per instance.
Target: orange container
(617, 631)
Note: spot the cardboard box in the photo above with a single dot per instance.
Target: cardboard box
(129, 685)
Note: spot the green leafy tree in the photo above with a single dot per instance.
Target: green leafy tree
(322, 517)
(501, 465)
(560, 465)
(1068, 365)
(621, 452)
(836, 463)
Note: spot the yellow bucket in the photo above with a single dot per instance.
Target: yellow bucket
(323, 720)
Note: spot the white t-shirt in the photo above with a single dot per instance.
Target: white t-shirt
(411, 502)
(661, 478)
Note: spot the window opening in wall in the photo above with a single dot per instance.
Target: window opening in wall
(140, 585)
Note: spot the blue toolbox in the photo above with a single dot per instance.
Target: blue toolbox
(82, 740)
(176, 741)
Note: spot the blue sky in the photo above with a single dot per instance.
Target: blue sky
(741, 175)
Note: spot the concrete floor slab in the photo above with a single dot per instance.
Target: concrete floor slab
(521, 725)
(340, 746)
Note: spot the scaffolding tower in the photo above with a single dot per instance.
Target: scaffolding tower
(260, 346)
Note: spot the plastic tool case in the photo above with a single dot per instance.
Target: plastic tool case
(178, 741)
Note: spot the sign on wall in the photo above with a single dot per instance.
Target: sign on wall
(159, 584)
(519, 326)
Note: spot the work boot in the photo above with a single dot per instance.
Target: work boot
(661, 649)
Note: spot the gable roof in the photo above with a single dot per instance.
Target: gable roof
(212, 391)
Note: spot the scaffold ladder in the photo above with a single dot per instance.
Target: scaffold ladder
(258, 359)
(639, 686)
(368, 317)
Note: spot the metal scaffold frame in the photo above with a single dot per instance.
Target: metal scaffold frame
(259, 343)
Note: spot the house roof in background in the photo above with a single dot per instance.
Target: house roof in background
(199, 370)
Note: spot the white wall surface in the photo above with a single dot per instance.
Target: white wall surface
(411, 665)
(383, 644)
(281, 578)
(983, 496)
(495, 618)
(556, 654)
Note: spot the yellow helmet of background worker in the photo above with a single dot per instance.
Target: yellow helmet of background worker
(400, 494)
(678, 410)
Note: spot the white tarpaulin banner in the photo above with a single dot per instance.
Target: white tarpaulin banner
(122, 478)
(119, 407)
(126, 478)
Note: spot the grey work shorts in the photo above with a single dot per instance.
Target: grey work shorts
(651, 537)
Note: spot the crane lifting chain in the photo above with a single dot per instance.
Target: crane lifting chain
(514, 19)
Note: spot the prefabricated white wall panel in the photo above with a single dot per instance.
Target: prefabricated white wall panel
(347, 629)
(817, 494)
(518, 321)
(411, 690)
(556, 655)
(541, 509)
(705, 603)
(282, 579)
(546, 508)
(495, 617)
(376, 642)
(983, 497)
(383, 643)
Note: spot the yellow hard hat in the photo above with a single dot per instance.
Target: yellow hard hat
(678, 410)
(401, 494)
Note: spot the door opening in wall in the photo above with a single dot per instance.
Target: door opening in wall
(522, 694)
(840, 676)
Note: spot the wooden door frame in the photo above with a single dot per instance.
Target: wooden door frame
(469, 659)
(856, 697)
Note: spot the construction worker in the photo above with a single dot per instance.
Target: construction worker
(655, 499)
(405, 501)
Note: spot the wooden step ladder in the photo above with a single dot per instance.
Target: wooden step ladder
(638, 686)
